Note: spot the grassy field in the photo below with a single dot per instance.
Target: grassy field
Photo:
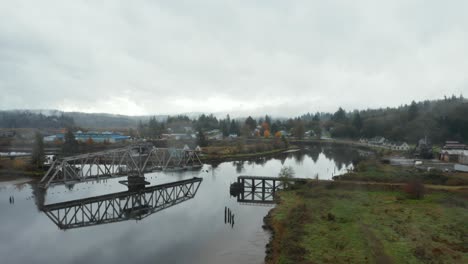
(373, 170)
(326, 223)
(18, 167)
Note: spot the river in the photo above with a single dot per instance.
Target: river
(193, 231)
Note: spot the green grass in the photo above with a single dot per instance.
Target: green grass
(207, 157)
(333, 225)
(373, 170)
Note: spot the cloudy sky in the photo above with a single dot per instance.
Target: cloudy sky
(277, 57)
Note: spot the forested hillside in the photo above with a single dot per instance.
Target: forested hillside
(438, 120)
(26, 119)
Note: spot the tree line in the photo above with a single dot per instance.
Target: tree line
(439, 120)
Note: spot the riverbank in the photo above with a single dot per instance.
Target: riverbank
(332, 222)
(12, 169)
(242, 156)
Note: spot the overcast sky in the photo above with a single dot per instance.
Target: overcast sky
(277, 57)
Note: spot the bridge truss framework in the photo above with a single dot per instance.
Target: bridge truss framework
(134, 160)
(121, 206)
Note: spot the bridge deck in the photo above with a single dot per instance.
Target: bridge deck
(270, 178)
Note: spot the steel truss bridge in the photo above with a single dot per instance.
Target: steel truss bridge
(259, 190)
(133, 160)
(120, 206)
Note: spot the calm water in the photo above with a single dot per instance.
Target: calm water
(193, 231)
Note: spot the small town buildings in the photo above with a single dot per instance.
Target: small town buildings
(214, 134)
(454, 151)
(7, 133)
(178, 136)
(376, 141)
(402, 146)
(108, 137)
(454, 145)
(384, 143)
(309, 133)
(454, 155)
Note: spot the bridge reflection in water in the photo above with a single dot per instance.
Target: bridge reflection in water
(121, 206)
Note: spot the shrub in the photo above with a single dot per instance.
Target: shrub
(286, 172)
(415, 189)
(19, 164)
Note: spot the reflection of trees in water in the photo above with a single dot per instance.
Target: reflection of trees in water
(342, 156)
(215, 164)
(39, 195)
(298, 156)
(261, 161)
(314, 152)
(239, 165)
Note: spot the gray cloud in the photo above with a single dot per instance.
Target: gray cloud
(280, 57)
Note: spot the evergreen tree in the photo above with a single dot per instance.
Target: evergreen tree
(268, 120)
(251, 123)
(412, 111)
(235, 129)
(70, 146)
(357, 121)
(339, 116)
(224, 127)
(38, 155)
(299, 129)
(201, 139)
(316, 117)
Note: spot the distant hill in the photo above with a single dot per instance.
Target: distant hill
(59, 119)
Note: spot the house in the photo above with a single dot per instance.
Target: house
(454, 155)
(214, 134)
(7, 133)
(454, 145)
(376, 141)
(178, 136)
(402, 146)
(310, 133)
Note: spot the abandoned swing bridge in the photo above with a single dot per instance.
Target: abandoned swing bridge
(132, 161)
(260, 190)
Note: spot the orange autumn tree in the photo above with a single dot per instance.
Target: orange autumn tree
(266, 129)
(278, 134)
(90, 141)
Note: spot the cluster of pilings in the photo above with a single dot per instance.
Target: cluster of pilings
(228, 216)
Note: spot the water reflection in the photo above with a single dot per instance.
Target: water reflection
(134, 204)
(193, 231)
(343, 159)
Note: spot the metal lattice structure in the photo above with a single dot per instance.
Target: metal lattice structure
(122, 206)
(258, 189)
(261, 190)
(134, 160)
